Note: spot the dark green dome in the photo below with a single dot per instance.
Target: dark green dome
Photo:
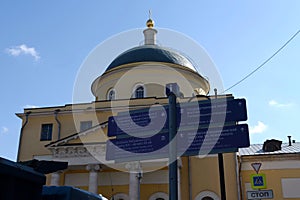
(150, 53)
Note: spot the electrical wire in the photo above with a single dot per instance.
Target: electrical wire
(265, 62)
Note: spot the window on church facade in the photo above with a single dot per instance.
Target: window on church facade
(111, 95)
(139, 92)
(46, 132)
(84, 125)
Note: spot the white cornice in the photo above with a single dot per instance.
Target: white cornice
(76, 136)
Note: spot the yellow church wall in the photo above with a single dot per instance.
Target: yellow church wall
(187, 80)
(108, 191)
(30, 144)
(67, 124)
(184, 178)
(148, 189)
(205, 175)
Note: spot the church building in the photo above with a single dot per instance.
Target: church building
(77, 133)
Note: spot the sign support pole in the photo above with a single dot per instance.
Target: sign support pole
(221, 168)
(222, 177)
(173, 187)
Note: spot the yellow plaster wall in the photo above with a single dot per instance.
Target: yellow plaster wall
(187, 80)
(148, 189)
(273, 180)
(31, 144)
(67, 124)
(184, 174)
(205, 175)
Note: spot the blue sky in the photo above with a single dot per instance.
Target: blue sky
(43, 44)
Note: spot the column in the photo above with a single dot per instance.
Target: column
(55, 178)
(134, 180)
(93, 177)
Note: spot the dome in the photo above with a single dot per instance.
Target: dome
(151, 53)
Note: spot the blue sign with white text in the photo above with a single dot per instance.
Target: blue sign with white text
(226, 139)
(188, 115)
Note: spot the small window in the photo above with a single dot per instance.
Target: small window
(111, 95)
(46, 132)
(84, 125)
(139, 92)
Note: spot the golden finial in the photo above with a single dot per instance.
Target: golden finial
(150, 22)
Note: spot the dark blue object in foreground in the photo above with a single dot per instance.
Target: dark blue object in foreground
(67, 193)
(19, 182)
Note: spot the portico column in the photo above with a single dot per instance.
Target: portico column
(134, 180)
(55, 178)
(93, 177)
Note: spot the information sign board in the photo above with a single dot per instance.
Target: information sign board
(260, 194)
(229, 139)
(225, 110)
(133, 148)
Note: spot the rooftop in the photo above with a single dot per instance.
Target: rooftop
(151, 53)
(257, 149)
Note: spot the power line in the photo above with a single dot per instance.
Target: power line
(265, 62)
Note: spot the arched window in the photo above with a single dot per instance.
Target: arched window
(139, 92)
(207, 198)
(159, 196)
(120, 196)
(111, 95)
(207, 195)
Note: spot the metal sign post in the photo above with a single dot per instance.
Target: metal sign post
(221, 168)
(173, 188)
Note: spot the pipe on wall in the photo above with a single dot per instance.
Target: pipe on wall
(58, 123)
(238, 176)
(21, 133)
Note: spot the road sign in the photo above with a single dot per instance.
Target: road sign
(230, 139)
(256, 167)
(258, 181)
(132, 148)
(141, 118)
(224, 110)
(260, 194)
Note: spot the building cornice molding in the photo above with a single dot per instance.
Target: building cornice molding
(271, 157)
(63, 141)
(87, 150)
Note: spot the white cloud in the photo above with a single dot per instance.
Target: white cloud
(23, 49)
(30, 106)
(4, 129)
(274, 103)
(259, 128)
